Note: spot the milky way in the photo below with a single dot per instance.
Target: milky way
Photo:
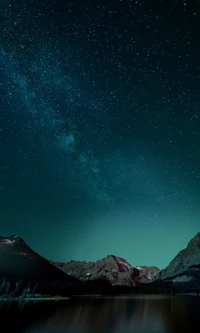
(99, 127)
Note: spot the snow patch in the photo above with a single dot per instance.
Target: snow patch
(9, 241)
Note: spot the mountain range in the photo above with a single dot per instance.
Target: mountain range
(23, 270)
(115, 270)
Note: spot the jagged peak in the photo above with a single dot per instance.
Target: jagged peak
(114, 257)
(111, 256)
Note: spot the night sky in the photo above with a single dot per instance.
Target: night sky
(100, 127)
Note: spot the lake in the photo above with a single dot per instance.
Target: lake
(141, 314)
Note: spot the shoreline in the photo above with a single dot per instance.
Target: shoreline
(63, 298)
(22, 299)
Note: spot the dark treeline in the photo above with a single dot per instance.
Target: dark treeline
(25, 287)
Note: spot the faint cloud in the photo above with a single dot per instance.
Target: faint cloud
(91, 168)
(83, 160)
(66, 142)
(104, 197)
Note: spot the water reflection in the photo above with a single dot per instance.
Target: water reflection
(123, 315)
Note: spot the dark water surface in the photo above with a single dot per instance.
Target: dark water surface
(143, 314)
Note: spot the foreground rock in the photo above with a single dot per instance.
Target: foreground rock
(114, 270)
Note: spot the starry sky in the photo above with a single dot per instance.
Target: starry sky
(100, 127)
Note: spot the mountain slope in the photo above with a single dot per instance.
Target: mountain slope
(185, 259)
(17, 259)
